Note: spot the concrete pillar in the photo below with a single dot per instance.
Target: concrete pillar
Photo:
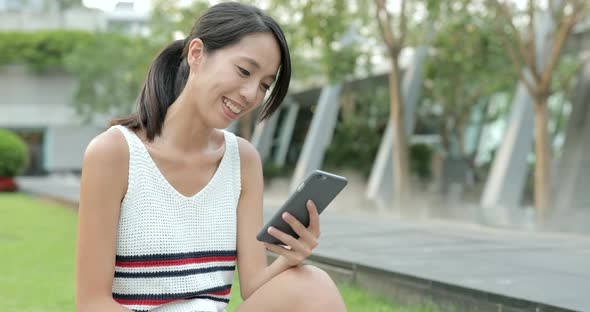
(319, 134)
(286, 132)
(507, 176)
(504, 187)
(263, 135)
(574, 165)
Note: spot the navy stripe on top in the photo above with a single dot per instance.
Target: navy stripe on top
(171, 296)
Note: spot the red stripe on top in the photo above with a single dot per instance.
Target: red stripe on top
(151, 263)
(148, 302)
(220, 293)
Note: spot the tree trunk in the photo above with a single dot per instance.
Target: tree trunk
(402, 187)
(543, 189)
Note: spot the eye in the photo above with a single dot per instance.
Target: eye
(243, 71)
(265, 87)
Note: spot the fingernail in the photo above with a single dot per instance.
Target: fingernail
(285, 215)
(309, 201)
(270, 228)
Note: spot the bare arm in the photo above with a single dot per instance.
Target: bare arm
(253, 268)
(252, 264)
(103, 185)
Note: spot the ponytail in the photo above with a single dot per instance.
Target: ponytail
(165, 80)
(221, 26)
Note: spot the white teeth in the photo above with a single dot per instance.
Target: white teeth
(231, 106)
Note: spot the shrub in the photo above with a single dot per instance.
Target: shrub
(40, 50)
(13, 154)
(420, 161)
(354, 145)
(357, 136)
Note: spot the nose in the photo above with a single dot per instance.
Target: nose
(248, 92)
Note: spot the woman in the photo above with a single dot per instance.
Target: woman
(169, 203)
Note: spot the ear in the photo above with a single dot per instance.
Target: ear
(196, 51)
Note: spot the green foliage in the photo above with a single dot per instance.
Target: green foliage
(357, 136)
(110, 69)
(358, 133)
(564, 75)
(467, 63)
(169, 17)
(66, 4)
(321, 35)
(13, 154)
(420, 160)
(272, 170)
(354, 145)
(41, 50)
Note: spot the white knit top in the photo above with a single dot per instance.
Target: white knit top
(176, 253)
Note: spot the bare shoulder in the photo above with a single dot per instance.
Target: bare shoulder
(250, 166)
(107, 148)
(105, 165)
(248, 152)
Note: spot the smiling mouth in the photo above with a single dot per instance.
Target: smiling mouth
(233, 108)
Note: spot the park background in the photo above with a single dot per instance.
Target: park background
(469, 112)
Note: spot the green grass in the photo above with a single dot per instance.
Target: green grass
(356, 300)
(37, 244)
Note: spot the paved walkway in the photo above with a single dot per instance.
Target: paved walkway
(548, 270)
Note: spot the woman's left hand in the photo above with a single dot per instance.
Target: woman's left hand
(297, 250)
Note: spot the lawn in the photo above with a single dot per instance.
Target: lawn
(37, 241)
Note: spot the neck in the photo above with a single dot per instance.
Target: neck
(183, 128)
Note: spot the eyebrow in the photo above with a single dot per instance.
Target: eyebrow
(255, 64)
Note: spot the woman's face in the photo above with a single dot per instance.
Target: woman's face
(232, 81)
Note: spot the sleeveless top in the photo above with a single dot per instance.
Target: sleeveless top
(176, 253)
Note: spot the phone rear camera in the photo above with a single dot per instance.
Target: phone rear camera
(322, 177)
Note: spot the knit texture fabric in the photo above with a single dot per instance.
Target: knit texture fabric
(176, 253)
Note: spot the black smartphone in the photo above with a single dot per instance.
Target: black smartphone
(321, 187)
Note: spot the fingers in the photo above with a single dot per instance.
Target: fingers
(304, 233)
(287, 239)
(297, 250)
(293, 255)
(314, 218)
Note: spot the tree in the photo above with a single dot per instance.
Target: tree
(63, 5)
(111, 81)
(520, 45)
(110, 69)
(466, 66)
(169, 20)
(394, 44)
(323, 38)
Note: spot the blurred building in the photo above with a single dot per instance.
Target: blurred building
(37, 106)
(33, 15)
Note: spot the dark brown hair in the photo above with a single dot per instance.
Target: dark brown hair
(220, 26)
